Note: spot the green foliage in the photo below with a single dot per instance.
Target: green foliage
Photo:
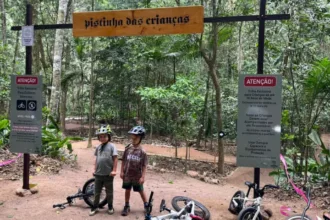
(54, 142)
(225, 34)
(182, 100)
(4, 132)
(320, 170)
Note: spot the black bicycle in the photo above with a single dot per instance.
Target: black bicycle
(87, 194)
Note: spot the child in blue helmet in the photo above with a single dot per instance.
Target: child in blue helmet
(105, 168)
(133, 168)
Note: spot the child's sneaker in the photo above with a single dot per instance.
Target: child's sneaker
(111, 211)
(93, 211)
(125, 211)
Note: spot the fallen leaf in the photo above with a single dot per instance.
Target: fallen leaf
(10, 216)
(1, 203)
(31, 185)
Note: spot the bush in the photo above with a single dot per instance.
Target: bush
(4, 132)
(54, 142)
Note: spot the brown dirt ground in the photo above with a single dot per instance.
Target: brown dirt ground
(55, 188)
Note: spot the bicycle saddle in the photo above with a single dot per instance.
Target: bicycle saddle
(326, 216)
(249, 184)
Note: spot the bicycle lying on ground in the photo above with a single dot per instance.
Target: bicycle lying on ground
(238, 203)
(87, 194)
(303, 216)
(191, 209)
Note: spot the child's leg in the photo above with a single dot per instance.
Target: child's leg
(127, 195)
(97, 191)
(137, 187)
(108, 183)
(143, 196)
(144, 199)
(127, 185)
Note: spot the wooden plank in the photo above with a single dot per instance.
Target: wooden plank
(140, 22)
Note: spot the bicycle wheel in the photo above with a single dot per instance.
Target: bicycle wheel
(89, 189)
(236, 209)
(179, 202)
(298, 217)
(248, 214)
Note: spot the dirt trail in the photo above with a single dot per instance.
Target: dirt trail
(55, 188)
(170, 152)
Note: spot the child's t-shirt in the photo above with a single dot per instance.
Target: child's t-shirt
(134, 159)
(104, 161)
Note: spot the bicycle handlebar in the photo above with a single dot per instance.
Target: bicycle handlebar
(59, 205)
(270, 186)
(150, 197)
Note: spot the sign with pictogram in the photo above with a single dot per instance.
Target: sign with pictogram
(25, 114)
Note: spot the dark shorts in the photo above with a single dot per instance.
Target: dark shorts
(137, 187)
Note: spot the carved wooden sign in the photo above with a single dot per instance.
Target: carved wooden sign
(140, 22)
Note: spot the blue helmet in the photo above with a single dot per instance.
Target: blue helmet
(138, 130)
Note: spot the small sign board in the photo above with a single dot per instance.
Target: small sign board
(27, 35)
(139, 22)
(26, 114)
(259, 121)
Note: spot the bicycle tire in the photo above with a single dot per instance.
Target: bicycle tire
(88, 186)
(236, 210)
(298, 217)
(203, 212)
(248, 214)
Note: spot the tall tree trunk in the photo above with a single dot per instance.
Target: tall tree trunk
(16, 52)
(240, 57)
(65, 87)
(63, 107)
(4, 22)
(4, 42)
(36, 47)
(91, 94)
(81, 98)
(212, 64)
(202, 122)
(57, 62)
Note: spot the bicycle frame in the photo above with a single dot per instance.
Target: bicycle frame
(70, 199)
(173, 214)
(188, 211)
(256, 204)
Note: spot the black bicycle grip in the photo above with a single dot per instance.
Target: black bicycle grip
(58, 205)
(150, 198)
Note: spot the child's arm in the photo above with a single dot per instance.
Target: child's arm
(144, 169)
(123, 165)
(95, 165)
(114, 169)
(143, 174)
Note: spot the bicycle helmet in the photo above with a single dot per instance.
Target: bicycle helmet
(138, 130)
(104, 129)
